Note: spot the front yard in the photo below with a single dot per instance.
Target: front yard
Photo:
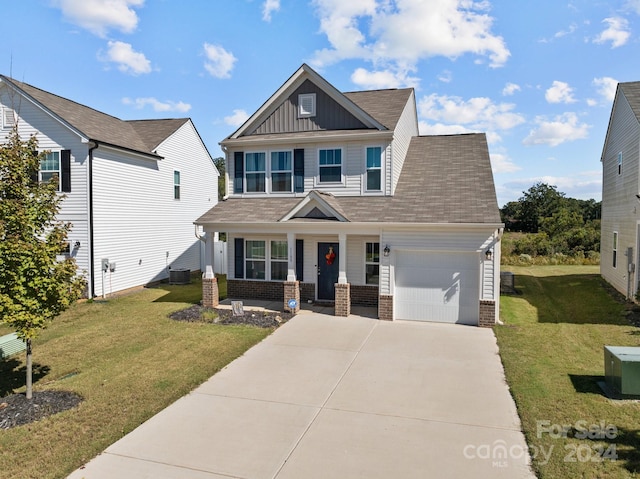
(552, 349)
(128, 361)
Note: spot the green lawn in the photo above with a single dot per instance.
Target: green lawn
(127, 360)
(552, 349)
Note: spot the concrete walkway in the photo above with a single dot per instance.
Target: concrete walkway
(327, 397)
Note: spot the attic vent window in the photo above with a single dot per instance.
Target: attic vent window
(306, 105)
(8, 117)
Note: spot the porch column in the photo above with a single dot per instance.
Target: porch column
(342, 259)
(291, 257)
(343, 288)
(210, 293)
(291, 285)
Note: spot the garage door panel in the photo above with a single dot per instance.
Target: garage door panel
(435, 286)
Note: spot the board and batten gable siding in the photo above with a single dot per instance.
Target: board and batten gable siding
(620, 207)
(53, 135)
(437, 240)
(329, 115)
(138, 225)
(406, 128)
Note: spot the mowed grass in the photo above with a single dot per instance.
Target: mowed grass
(551, 346)
(128, 361)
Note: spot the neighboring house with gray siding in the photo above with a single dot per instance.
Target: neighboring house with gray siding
(620, 232)
(132, 188)
(334, 197)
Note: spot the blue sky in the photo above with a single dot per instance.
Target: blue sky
(537, 77)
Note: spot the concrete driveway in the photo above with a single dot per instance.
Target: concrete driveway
(327, 397)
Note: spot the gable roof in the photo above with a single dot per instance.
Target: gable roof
(347, 101)
(141, 136)
(445, 179)
(631, 91)
(386, 106)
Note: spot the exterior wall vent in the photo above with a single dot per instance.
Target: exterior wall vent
(179, 276)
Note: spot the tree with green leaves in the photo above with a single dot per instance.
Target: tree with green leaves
(35, 284)
(220, 164)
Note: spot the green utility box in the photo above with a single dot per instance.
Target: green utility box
(622, 369)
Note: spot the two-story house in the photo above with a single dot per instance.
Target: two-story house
(132, 188)
(620, 226)
(335, 197)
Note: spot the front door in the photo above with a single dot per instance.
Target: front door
(327, 270)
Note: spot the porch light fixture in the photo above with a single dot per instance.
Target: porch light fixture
(488, 254)
(386, 250)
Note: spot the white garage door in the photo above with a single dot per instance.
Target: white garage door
(442, 287)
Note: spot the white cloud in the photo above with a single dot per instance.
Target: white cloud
(219, 62)
(478, 114)
(501, 163)
(128, 60)
(561, 129)
(402, 32)
(442, 129)
(559, 92)
(633, 5)
(582, 185)
(510, 88)
(99, 16)
(446, 76)
(158, 105)
(375, 80)
(606, 87)
(617, 32)
(268, 7)
(572, 28)
(237, 119)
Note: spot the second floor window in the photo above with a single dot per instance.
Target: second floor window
(176, 185)
(330, 166)
(50, 167)
(255, 172)
(374, 169)
(281, 171)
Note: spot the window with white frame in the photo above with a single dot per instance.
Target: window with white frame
(255, 172)
(281, 171)
(50, 167)
(176, 185)
(330, 165)
(374, 169)
(306, 105)
(615, 249)
(279, 260)
(372, 263)
(255, 259)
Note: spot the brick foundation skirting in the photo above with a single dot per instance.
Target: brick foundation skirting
(385, 307)
(265, 290)
(364, 295)
(487, 313)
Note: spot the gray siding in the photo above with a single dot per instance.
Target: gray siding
(329, 115)
(620, 207)
(407, 127)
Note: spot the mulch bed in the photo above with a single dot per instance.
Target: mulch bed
(261, 319)
(17, 410)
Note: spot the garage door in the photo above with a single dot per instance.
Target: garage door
(442, 287)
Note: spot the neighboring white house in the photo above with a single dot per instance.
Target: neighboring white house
(133, 188)
(620, 230)
(335, 197)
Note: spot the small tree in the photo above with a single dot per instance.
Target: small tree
(35, 286)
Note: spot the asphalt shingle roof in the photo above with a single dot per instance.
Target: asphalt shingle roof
(139, 135)
(631, 92)
(385, 106)
(445, 179)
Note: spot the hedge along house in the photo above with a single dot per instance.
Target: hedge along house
(334, 197)
(132, 187)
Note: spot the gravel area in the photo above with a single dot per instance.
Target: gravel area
(262, 319)
(17, 410)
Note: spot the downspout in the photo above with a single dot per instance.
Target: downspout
(91, 249)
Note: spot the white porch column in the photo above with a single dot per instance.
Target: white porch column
(342, 259)
(210, 239)
(291, 262)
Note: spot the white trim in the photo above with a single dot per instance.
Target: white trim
(382, 169)
(306, 105)
(366, 263)
(614, 249)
